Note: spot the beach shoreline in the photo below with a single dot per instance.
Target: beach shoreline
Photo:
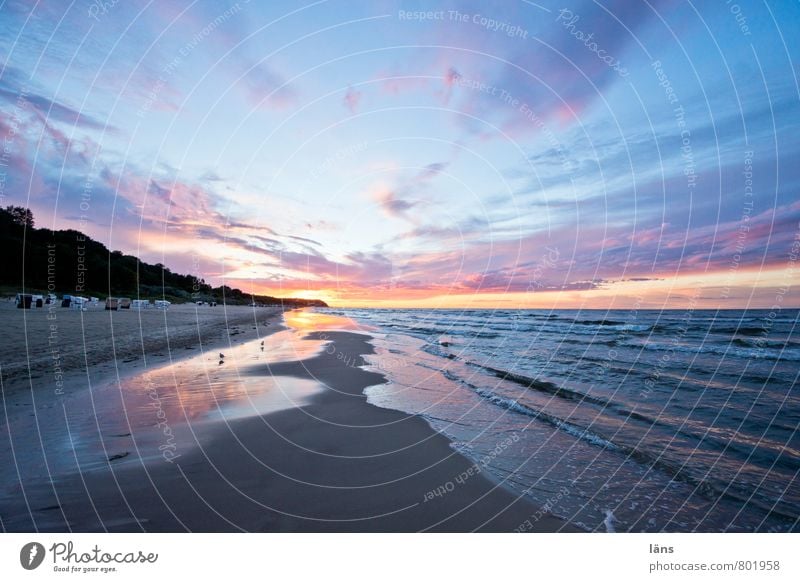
(335, 463)
(77, 349)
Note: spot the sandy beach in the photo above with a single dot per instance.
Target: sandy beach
(274, 437)
(62, 345)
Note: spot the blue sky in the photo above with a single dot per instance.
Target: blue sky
(418, 153)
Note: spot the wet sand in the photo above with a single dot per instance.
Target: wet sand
(333, 463)
(45, 348)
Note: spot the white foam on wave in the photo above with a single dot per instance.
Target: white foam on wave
(609, 521)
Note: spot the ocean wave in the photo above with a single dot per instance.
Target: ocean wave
(765, 352)
(706, 486)
(587, 329)
(746, 450)
(481, 334)
(747, 331)
(603, 342)
(550, 388)
(542, 385)
(559, 329)
(423, 331)
(546, 387)
(764, 343)
(516, 406)
(435, 349)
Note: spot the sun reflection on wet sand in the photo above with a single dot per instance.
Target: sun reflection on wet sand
(310, 321)
(170, 407)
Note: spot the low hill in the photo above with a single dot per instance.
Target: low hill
(69, 262)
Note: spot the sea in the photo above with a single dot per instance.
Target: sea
(626, 420)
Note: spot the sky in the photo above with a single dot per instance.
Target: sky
(419, 154)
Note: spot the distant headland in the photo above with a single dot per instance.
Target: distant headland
(70, 262)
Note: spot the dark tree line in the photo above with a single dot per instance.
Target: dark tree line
(69, 262)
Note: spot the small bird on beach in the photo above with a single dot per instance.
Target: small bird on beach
(221, 356)
(262, 342)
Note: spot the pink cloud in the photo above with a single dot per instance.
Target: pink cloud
(351, 99)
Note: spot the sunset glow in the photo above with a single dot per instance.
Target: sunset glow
(368, 155)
